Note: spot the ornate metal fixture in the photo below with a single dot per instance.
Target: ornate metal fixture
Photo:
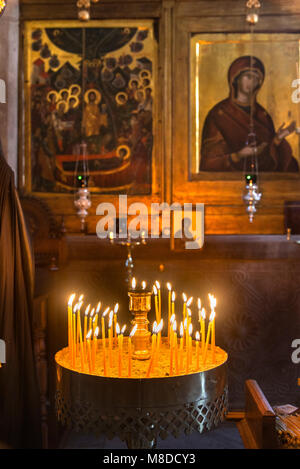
(82, 199)
(130, 244)
(251, 195)
(139, 306)
(84, 9)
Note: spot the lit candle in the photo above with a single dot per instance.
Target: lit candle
(158, 342)
(79, 304)
(159, 299)
(91, 318)
(213, 303)
(181, 331)
(173, 302)
(103, 325)
(197, 350)
(184, 297)
(110, 326)
(85, 327)
(207, 340)
(169, 287)
(156, 303)
(121, 352)
(70, 323)
(74, 335)
(144, 284)
(189, 348)
(88, 339)
(175, 346)
(96, 332)
(153, 349)
(97, 312)
(133, 283)
(130, 349)
(116, 309)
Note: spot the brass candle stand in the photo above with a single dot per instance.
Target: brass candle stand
(139, 306)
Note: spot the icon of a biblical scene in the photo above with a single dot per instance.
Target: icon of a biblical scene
(92, 85)
(241, 125)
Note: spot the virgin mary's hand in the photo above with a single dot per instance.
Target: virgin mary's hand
(248, 151)
(283, 132)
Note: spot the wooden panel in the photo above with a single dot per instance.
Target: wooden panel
(111, 11)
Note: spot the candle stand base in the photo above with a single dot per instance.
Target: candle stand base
(139, 411)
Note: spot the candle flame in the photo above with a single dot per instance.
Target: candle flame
(181, 329)
(189, 312)
(185, 323)
(87, 310)
(197, 336)
(184, 297)
(92, 312)
(172, 318)
(71, 299)
(117, 328)
(154, 290)
(212, 315)
(173, 296)
(157, 284)
(159, 327)
(111, 235)
(169, 286)
(190, 329)
(203, 313)
(144, 285)
(175, 325)
(154, 327)
(133, 331)
(105, 311)
(199, 303)
(133, 283)
(80, 298)
(190, 301)
(98, 307)
(94, 318)
(213, 301)
(110, 321)
(116, 308)
(96, 332)
(88, 336)
(123, 329)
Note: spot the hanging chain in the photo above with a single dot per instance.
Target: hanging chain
(253, 4)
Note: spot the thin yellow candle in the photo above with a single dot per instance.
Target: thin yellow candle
(175, 345)
(169, 287)
(103, 325)
(189, 348)
(110, 326)
(184, 297)
(159, 300)
(213, 303)
(171, 351)
(197, 351)
(156, 303)
(207, 341)
(74, 335)
(116, 308)
(158, 342)
(121, 352)
(181, 331)
(89, 354)
(153, 350)
(70, 323)
(173, 302)
(188, 322)
(79, 304)
(87, 309)
(96, 332)
(97, 312)
(130, 349)
(82, 355)
(91, 318)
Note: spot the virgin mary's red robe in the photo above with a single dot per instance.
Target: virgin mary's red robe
(227, 126)
(19, 394)
(226, 130)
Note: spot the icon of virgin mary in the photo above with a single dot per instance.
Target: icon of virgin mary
(225, 137)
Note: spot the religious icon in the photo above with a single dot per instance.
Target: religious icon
(225, 137)
(241, 107)
(94, 92)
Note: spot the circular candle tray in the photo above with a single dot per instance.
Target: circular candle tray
(139, 411)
